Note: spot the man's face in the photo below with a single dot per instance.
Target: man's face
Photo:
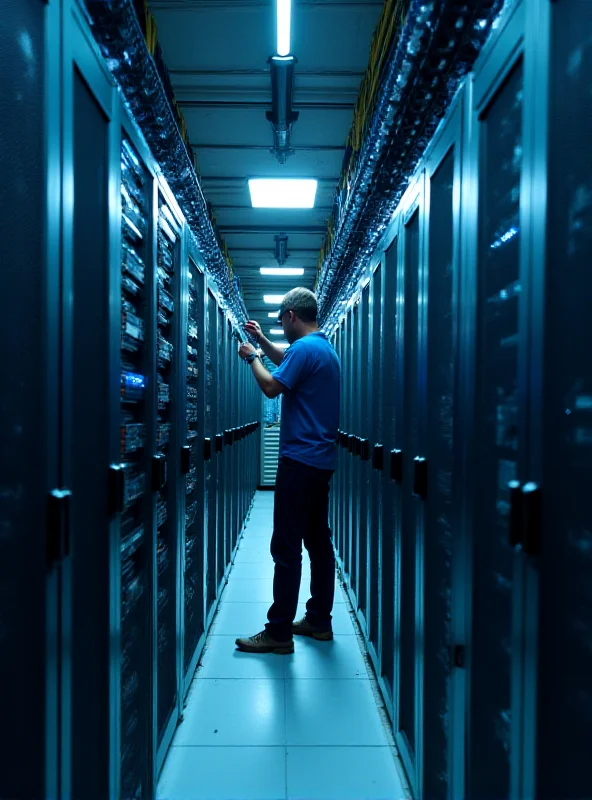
(287, 321)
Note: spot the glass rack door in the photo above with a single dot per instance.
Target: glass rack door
(496, 437)
(168, 252)
(194, 520)
(136, 661)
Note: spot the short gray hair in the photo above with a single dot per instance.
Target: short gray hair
(302, 302)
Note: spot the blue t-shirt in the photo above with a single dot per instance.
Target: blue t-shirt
(310, 372)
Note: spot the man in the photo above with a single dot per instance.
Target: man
(308, 376)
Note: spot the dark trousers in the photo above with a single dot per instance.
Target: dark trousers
(301, 514)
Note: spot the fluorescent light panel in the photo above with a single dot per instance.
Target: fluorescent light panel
(273, 299)
(286, 272)
(283, 345)
(273, 314)
(284, 14)
(277, 331)
(283, 192)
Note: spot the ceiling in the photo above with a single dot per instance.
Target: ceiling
(217, 53)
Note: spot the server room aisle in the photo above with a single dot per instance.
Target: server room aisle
(265, 727)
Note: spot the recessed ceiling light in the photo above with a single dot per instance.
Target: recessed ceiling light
(283, 345)
(273, 299)
(286, 272)
(283, 192)
(277, 331)
(273, 314)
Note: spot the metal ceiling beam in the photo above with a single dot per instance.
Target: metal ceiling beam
(188, 5)
(265, 72)
(244, 179)
(267, 250)
(222, 206)
(314, 229)
(315, 148)
(241, 104)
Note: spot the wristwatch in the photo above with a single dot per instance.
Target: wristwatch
(249, 359)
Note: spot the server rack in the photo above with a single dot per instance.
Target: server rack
(123, 563)
(483, 576)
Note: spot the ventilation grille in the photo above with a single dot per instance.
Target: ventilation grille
(270, 448)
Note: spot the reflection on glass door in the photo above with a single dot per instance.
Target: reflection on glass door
(496, 439)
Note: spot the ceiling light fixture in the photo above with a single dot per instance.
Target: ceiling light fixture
(282, 345)
(282, 271)
(277, 331)
(283, 192)
(273, 314)
(283, 20)
(281, 248)
(273, 299)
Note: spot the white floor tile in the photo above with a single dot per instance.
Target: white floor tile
(343, 773)
(234, 712)
(332, 712)
(339, 659)
(203, 773)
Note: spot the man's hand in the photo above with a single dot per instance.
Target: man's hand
(245, 350)
(254, 329)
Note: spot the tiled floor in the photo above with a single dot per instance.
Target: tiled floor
(299, 727)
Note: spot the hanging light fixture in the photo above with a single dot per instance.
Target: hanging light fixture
(281, 248)
(282, 116)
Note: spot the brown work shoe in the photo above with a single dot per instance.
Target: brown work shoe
(304, 628)
(264, 643)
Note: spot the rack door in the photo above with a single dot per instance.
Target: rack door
(408, 500)
(558, 652)
(90, 350)
(169, 404)
(194, 606)
(376, 464)
(364, 411)
(437, 402)
(390, 475)
(211, 420)
(31, 571)
(136, 412)
(497, 437)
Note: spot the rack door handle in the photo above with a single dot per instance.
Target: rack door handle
(397, 466)
(420, 477)
(533, 519)
(185, 459)
(378, 457)
(219, 442)
(159, 472)
(365, 449)
(526, 518)
(116, 489)
(515, 520)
